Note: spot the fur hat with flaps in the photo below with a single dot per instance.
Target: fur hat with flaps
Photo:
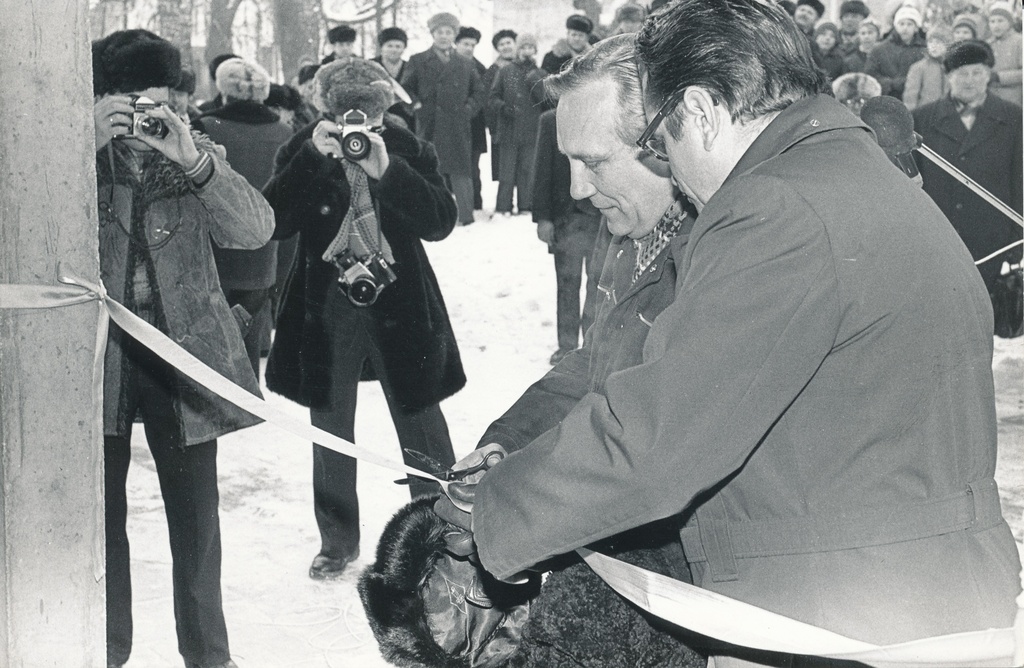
(239, 79)
(353, 83)
(968, 52)
(432, 609)
(443, 19)
(128, 61)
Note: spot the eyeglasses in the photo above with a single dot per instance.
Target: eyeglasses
(655, 145)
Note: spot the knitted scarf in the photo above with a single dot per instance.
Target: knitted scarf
(360, 229)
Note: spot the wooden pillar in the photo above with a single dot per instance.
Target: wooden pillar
(51, 466)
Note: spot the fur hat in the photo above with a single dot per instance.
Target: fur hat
(443, 19)
(240, 79)
(908, 12)
(392, 34)
(854, 7)
(968, 52)
(941, 33)
(187, 84)
(815, 5)
(968, 20)
(127, 61)
(856, 85)
(526, 38)
(307, 72)
(502, 34)
(284, 96)
(429, 608)
(343, 34)
(580, 23)
(468, 32)
(631, 12)
(353, 84)
(1001, 9)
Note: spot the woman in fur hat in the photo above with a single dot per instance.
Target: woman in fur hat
(164, 193)
(329, 337)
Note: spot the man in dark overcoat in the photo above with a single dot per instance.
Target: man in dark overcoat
(383, 205)
(465, 42)
(447, 93)
(980, 134)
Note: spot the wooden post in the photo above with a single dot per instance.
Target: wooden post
(51, 457)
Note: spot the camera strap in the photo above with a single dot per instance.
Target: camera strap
(360, 230)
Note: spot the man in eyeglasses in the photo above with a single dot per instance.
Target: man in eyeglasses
(816, 405)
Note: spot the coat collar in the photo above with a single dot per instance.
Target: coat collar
(991, 116)
(800, 120)
(244, 111)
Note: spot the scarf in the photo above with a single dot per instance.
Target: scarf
(651, 244)
(360, 229)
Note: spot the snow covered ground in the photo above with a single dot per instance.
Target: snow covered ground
(498, 281)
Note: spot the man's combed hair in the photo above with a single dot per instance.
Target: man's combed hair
(749, 54)
(612, 59)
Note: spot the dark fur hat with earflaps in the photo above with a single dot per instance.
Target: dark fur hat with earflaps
(128, 61)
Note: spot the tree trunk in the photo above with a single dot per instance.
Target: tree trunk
(173, 22)
(218, 33)
(297, 25)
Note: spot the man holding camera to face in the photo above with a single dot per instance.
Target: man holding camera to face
(163, 194)
(363, 302)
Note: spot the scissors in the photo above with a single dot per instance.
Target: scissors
(447, 474)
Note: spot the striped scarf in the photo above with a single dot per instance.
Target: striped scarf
(360, 230)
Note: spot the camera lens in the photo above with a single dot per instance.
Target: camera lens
(362, 292)
(152, 127)
(355, 146)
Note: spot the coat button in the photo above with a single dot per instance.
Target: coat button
(619, 254)
(324, 210)
(959, 206)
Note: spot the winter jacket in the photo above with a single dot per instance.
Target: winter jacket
(990, 153)
(450, 94)
(478, 126)
(251, 134)
(552, 180)
(856, 61)
(1007, 52)
(310, 195)
(513, 101)
(488, 81)
(816, 404)
(890, 60)
(831, 63)
(179, 224)
(559, 55)
(926, 82)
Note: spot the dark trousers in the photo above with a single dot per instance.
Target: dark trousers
(515, 173)
(188, 484)
(335, 502)
(462, 188)
(572, 253)
(478, 200)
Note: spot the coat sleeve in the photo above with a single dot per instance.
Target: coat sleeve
(477, 98)
(496, 94)
(413, 192)
(755, 315)
(544, 155)
(300, 173)
(240, 216)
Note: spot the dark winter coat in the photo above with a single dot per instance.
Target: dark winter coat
(559, 55)
(513, 101)
(832, 63)
(450, 94)
(251, 134)
(551, 180)
(856, 61)
(891, 59)
(401, 109)
(991, 155)
(478, 126)
(310, 195)
(190, 304)
(488, 80)
(817, 396)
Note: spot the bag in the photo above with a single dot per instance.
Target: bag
(430, 608)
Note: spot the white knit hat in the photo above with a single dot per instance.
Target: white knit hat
(908, 12)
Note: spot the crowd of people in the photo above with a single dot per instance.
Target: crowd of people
(756, 271)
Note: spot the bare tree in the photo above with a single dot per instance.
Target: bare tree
(173, 22)
(297, 27)
(221, 14)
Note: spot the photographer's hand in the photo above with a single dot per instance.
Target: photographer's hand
(112, 115)
(378, 160)
(325, 138)
(177, 145)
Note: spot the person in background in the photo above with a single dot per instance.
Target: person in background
(851, 14)
(465, 41)
(181, 99)
(853, 89)
(980, 133)
(628, 19)
(926, 79)
(1006, 48)
(830, 56)
(306, 85)
(342, 39)
(967, 25)
(806, 15)
(383, 205)
(447, 93)
(286, 102)
(891, 59)
(515, 100)
(212, 68)
(504, 43)
(162, 199)
(578, 29)
(391, 43)
(868, 35)
(251, 133)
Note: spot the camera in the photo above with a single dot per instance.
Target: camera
(142, 122)
(355, 143)
(363, 280)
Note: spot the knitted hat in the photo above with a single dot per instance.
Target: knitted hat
(629, 12)
(854, 7)
(240, 79)
(392, 34)
(526, 39)
(468, 32)
(580, 23)
(827, 26)
(873, 23)
(968, 52)
(343, 34)
(443, 19)
(1001, 9)
(815, 5)
(127, 61)
(908, 12)
(502, 34)
(353, 84)
(969, 21)
(941, 33)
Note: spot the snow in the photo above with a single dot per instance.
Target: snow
(498, 281)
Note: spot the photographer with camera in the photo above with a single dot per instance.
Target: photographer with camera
(362, 192)
(163, 194)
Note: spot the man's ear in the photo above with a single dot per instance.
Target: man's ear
(704, 113)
